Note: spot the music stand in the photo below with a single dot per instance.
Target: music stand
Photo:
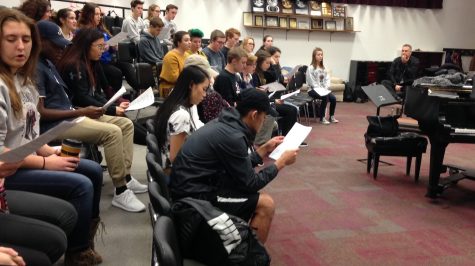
(379, 95)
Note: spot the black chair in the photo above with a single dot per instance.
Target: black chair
(115, 30)
(406, 144)
(157, 174)
(160, 205)
(150, 124)
(152, 145)
(166, 246)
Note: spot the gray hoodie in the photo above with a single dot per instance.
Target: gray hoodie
(150, 49)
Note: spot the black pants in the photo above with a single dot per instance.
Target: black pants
(37, 222)
(392, 89)
(323, 106)
(288, 116)
(114, 76)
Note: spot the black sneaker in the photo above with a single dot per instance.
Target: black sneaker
(303, 144)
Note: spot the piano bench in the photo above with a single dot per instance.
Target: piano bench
(405, 144)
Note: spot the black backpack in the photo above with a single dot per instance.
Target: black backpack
(210, 236)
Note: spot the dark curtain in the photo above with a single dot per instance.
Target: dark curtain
(401, 3)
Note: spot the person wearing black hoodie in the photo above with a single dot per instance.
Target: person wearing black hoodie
(150, 49)
(214, 164)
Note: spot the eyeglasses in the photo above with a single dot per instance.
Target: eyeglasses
(101, 46)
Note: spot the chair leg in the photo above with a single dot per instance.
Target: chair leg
(375, 166)
(368, 162)
(418, 167)
(408, 165)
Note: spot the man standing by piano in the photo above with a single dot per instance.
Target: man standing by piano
(402, 73)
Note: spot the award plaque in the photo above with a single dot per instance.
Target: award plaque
(330, 25)
(272, 21)
(301, 7)
(258, 21)
(317, 24)
(326, 9)
(283, 22)
(339, 11)
(292, 23)
(287, 6)
(315, 8)
(247, 19)
(258, 5)
(272, 6)
(349, 23)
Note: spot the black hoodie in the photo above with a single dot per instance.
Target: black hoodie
(217, 156)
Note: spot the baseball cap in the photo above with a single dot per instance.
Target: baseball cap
(253, 98)
(200, 61)
(49, 30)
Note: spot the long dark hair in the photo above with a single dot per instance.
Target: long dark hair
(88, 11)
(28, 70)
(35, 9)
(262, 55)
(180, 95)
(78, 52)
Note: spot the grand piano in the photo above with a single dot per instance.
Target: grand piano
(446, 115)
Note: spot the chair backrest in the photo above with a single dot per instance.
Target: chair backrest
(115, 30)
(124, 52)
(160, 205)
(152, 145)
(166, 242)
(145, 78)
(150, 126)
(157, 174)
(108, 22)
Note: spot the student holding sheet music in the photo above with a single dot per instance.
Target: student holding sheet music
(69, 178)
(319, 82)
(115, 133)
(287, 113)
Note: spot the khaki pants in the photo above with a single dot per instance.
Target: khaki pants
(116, 135)
(265, 134)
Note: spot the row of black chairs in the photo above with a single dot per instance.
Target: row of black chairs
(165, 245)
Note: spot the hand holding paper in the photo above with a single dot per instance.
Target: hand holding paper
(22, 151)
(115, 97)
(292, 141)
(145, 99)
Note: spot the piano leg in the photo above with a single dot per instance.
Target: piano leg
(437, 152)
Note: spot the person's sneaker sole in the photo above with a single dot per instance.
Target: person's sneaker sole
(125, 208)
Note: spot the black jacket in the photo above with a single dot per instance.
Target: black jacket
(81, 92)
(404, 74)
(217, 156)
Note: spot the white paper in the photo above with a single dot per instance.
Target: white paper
(19, 153)
(285, 96)
(274, 86)
(117, 39)
(145, 99)
(292, 140)
(272, 94)
(115, 97)
(292, 72)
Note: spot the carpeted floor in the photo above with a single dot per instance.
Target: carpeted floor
(331, 212)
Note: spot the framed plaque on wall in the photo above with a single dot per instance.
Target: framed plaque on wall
(258, 5)
(287, 6)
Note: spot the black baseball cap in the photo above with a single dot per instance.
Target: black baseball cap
(51, 31)
(255, 99)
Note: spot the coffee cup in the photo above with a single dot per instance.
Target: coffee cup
(70, 148)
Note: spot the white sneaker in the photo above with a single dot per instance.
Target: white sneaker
(333, 120)
(324, 121)
(128, 201)
(136, 186)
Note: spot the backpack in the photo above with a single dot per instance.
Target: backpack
(210, 236)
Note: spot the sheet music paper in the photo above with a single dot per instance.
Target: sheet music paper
(117, 39)
(115, 97)
(285, 96)
(292, 140)
(145, 99)
(19, 153)
(292, 72)
(274, 86)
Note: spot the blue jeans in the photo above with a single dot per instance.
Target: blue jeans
(82, 188)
